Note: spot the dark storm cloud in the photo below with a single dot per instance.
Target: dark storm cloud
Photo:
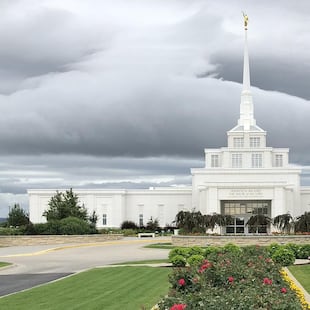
(64, 171)
(286, 75)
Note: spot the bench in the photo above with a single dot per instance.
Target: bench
(140, 235)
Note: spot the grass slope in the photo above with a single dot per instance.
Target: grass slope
(105, 288)
(3, 264)
(302, 274)
(149, 261)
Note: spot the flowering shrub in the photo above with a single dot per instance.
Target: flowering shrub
(242, 279)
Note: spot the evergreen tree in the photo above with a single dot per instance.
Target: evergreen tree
(63, 205)
(17, 216)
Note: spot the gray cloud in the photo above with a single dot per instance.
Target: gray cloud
(119, 94)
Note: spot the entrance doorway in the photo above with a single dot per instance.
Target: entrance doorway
(241, 211)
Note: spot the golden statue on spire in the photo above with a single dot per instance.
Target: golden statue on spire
(246, 20)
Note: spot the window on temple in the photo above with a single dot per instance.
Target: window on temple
(140, 220)
(214, 160)
(255, 142)
(238, 142)
(279, 160)
(257, 161)
(236, 160)
(104, 219)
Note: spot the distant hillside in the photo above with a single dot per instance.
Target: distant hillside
(2, 219)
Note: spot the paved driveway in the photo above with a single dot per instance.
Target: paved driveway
(35, 265)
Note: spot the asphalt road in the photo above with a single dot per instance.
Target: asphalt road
(34, 265)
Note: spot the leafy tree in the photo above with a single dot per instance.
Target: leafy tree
(199, 223)
(129, 225)
(93, 218)
(258, 221)
(303, 223)
(191, 221)
(17, 216)
(152, 224)
(64, 205)
(218, 219)
(284, 222)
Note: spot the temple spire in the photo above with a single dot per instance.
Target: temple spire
(246, 106)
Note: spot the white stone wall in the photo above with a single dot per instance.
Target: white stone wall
(120, 205)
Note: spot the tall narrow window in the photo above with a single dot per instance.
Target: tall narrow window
(236, 160)
(140, 220)
(214, 160)
(238, 142)
(104, 219)
(254, 142)
(279, 160)
(257, 160)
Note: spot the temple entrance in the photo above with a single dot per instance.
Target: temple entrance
(241, 211)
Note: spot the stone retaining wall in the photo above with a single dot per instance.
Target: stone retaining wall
(56, 239)
(188, 241)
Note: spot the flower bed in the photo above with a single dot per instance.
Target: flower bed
(232, 278)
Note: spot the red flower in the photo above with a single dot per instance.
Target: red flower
(178, 307)
(181, 282)
(206, 264)
(283, 290)
(267, 281)
(230, 279)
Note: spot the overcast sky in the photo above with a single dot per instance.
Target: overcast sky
(126, 94)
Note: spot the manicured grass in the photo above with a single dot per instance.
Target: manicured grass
(302, 274)
(153, 261)
(3, 264)
(160, 246)
(130, 288)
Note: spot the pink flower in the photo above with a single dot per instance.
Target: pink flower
(178, 307)
(195, 280)
(283, 290)
(230, 279)
(206, 264)
(267, 281)
(268, 260)
(181, 282)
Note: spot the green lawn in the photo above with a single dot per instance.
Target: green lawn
(302, 274)
(126, 288)
(3, 264)
(160, 246)
(150, 261)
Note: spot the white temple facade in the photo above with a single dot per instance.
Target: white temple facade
(247, 177)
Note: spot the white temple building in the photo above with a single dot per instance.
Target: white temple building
(245, 178)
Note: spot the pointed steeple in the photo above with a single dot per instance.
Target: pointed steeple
(246, 106)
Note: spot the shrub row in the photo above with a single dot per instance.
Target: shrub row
(284, 255)
(229, 278)
(66, 226)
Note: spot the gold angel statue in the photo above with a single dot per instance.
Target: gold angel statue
(246, 20)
